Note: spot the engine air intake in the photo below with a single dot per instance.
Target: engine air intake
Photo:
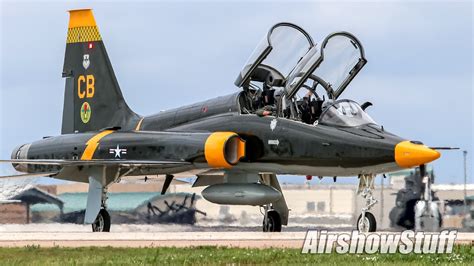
(224, 149)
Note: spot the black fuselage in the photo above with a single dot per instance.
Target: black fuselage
(273, 144)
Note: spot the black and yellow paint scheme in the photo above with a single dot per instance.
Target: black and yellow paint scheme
(103, 140)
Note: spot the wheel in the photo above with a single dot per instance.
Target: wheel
(368, 224)
(272, 223)
(102, 222)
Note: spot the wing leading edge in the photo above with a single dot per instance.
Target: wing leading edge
(69, 163)
(60, 162)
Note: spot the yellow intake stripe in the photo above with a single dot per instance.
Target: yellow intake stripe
(93, 143)
(139, 124)
(215, 149)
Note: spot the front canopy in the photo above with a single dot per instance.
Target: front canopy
(279, 51)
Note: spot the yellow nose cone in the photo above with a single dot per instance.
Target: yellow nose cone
(408, 154)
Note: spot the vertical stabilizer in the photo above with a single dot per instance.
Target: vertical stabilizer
(92, 98)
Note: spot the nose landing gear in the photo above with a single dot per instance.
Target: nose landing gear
(366, 222)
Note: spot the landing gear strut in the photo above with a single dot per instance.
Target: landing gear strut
(427, 214)
(276, 213)
(271, 220)
(366, 222)
(102, 222)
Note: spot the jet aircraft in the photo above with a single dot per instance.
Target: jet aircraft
(285, 118)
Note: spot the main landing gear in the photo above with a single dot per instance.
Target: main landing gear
(275, 214)
(271, 220)
(366, 222)
(102, 222)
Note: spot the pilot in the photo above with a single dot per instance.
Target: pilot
(253, 96)
(266, 103)
(270, 107)
(305, 108)
(316, 106)
(268, 97)
(266, 110)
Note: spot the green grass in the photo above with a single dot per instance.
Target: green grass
(34, 255)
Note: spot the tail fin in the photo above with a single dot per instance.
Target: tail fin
(92, 98)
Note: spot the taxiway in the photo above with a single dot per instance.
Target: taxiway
(51, 235)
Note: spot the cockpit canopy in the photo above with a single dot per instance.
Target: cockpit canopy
(287, 63)
(276, 55)
(332, 64)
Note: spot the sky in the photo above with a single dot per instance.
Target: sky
(419, 73)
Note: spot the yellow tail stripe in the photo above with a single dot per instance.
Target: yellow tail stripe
(93, 143)
(139, 124)
(83, 34)
(82, 27)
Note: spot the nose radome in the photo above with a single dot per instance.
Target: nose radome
(409, 154)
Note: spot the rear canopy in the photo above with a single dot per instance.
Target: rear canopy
(332, 64)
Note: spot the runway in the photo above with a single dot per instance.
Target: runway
(137, 235)
(164, 239)
(163, 236)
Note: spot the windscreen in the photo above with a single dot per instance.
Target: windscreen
(345, 113)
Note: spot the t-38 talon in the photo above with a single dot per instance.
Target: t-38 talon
(286, 118)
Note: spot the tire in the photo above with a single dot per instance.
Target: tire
(371, 223)
(273, 222)
(102, 222)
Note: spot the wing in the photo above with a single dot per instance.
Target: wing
(61, 162)
(69, 163)
(140, 179)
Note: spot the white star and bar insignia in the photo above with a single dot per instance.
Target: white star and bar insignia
(118, 151)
